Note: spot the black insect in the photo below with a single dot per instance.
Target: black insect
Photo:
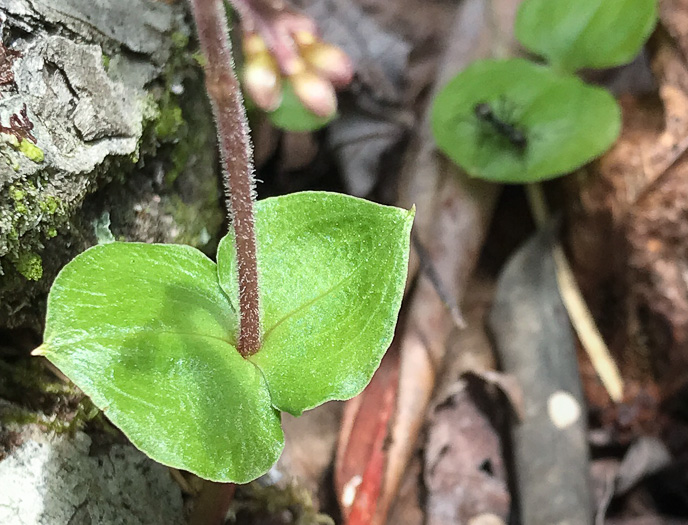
(484, 112)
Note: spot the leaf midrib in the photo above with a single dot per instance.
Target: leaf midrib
(308, 304)
(119, 335)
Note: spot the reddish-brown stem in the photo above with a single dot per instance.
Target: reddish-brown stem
(225, 96)
(212, 503)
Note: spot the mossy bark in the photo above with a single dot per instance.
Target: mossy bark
(127, 138)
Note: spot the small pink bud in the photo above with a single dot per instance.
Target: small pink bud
(315, 93)
(330, 62)
(304, 38)
(253, 45)
(293, 65)
(262, 82)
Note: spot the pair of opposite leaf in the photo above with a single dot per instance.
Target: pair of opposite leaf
(564, 122)
(149, 331)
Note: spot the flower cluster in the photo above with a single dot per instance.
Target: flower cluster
(287, 49)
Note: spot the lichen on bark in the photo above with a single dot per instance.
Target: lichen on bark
(120, 116)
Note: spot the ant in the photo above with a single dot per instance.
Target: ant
(516, 137)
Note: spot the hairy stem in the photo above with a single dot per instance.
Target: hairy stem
(225, 96)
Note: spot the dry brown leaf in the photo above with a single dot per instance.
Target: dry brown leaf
(451, 220)
(310, 442)
(536, 345)
(628, 239)
(464, 473)
(361, 453)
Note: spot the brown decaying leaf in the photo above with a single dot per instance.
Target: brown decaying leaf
(534, 340)
(674, 16)
(361, 450)
(468, 353)
(424, 23)
(507, 384)
(408, 509)
(310, 442)
(464, 472)
(646, 520)
(364, 505)
(452, 215)
(646, 456)
(628, 236)
(602, 477)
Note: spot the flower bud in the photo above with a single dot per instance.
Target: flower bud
(315, 93)
(330, 62)
(262, 82)
(253, 45)
(295, 65)
(304, 38)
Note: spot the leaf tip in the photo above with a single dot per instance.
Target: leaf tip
(41, 350)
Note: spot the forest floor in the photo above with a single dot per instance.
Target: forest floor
(499, 415)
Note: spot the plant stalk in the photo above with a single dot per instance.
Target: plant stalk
(235, 148)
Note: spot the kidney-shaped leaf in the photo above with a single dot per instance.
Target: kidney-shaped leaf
(515, 121)
(585, 33)
(332, 274)
(147, 332)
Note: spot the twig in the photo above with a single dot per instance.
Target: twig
(233, 134)
(579, 313)
(431, 272)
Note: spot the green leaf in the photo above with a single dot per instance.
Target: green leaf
(585, 33)
(147, 332)
(332, 275)
(293, 116)
(565, 122)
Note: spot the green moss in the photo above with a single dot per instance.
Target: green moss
(31, 151)
(20, 416)
(31, 211)
(199, 218)
(29, 214)
(49, 204)
(199, 58)
(26, 207)
(253, 500)
(30, 265)
(16, 194)
(106, 62)
(180, 40)
(180, 156)
(25, 147)
(26, 212)
(170, 122)
(30, 375)
(54, 405)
